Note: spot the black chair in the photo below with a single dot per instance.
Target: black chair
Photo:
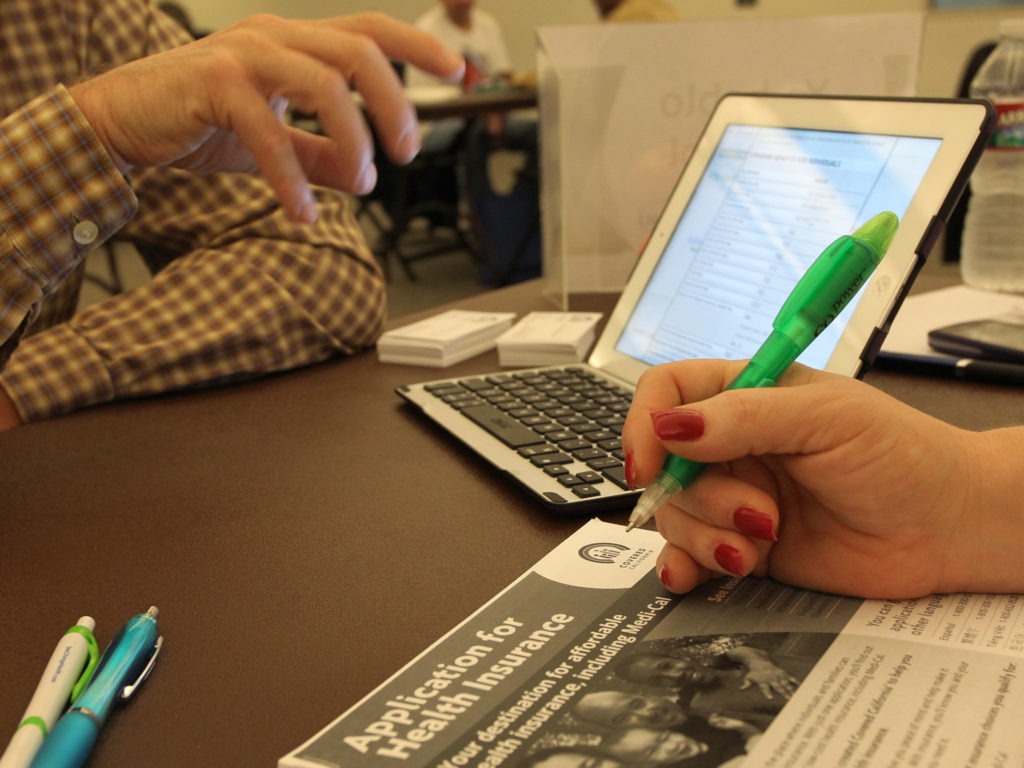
(415, 208)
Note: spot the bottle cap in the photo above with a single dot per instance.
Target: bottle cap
(1011, 28)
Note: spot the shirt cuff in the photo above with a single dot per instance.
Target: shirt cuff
(55, 373)
(60, 196)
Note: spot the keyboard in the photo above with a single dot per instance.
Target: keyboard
(559, 427)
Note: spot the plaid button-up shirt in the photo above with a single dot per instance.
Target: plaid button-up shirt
(238, 289)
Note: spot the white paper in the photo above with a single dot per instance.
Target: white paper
(923, 312)
(935, 681)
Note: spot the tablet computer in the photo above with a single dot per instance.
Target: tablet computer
(772, 181)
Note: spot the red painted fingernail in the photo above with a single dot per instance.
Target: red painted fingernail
(729, 559)
(630, 470)
(678, 424)
(753, 523)
(663, 576)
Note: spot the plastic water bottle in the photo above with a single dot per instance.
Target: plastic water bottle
(992, 249)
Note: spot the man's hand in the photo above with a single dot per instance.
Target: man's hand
(216, 104)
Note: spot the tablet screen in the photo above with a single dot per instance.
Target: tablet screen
(770, 200)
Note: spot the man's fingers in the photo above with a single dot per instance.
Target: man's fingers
(233, 83)
(270, 143)
(359, 48)
(313, 87)
(325, 162)
(401, 42)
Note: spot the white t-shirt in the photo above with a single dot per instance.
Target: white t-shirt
(483, 42)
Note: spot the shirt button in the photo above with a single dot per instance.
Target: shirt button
(85, 232)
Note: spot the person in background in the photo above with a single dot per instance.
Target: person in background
(824, 482)
(501, 218)
(466, 29)
(636, 10)
(476, 35)
(244, 284)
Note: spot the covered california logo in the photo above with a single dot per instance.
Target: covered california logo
(618, 555)
(602, 556)
(602, 552)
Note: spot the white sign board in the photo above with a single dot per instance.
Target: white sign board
(622, 105)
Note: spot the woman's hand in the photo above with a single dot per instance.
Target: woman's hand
(826, 483)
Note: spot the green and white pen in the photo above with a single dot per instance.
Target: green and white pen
(826, 288)
(69, 670)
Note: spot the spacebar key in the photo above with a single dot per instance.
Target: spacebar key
(502, 426)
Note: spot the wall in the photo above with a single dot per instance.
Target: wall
(518, 17)
(949, 38)
(949, 35)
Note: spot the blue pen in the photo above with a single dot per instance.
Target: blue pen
(125, 664)
(822, 293)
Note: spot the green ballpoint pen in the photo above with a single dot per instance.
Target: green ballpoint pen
(826, 288)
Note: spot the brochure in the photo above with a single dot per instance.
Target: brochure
(587, 660)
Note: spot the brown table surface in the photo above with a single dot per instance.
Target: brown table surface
(303, 535)
(459, 104)
(475, 103)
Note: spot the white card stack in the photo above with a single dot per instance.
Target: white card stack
(444, 339)
(548, 338)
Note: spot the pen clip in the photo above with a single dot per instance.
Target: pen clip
(130, 689)
(94, 659)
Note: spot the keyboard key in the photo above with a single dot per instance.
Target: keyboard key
(573, 445)
(502, 426)
(523, 412)
(562, 436)
(546, 427)
(550, 458)
(617, 474)
(585, 491)
(535, 450)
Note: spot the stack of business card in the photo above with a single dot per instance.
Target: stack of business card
(444, 339)
(548, 338)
